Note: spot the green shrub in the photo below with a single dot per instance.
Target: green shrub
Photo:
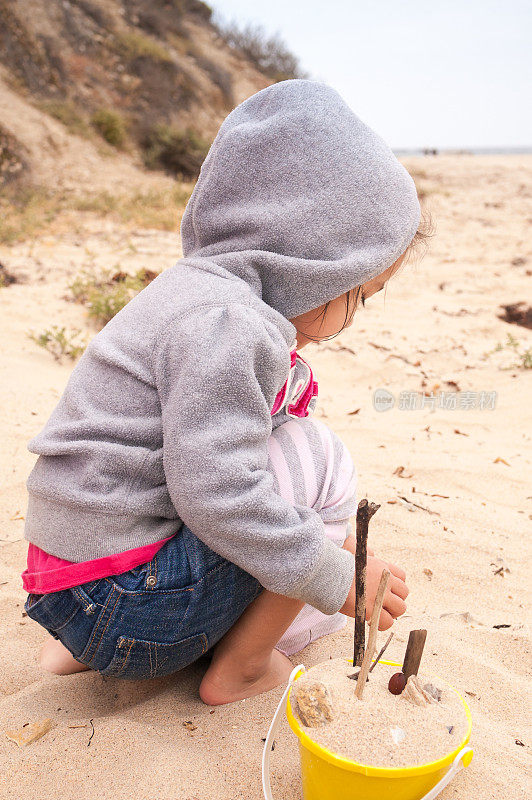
(524, 357)
(180, 152)
(110, 126)
(25, 211)
(12, 161)
(68, 115)
(137, 45)
(60, 342)
(105, 295)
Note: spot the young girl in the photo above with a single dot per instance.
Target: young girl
(183, 497)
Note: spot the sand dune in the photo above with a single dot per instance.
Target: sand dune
(468, 469)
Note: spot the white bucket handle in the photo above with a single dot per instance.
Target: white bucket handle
(266, 753)
(455, 767)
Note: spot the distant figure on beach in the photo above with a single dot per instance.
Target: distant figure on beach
(185, 502)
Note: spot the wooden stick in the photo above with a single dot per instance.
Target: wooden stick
(376, 660)
(365, 512)
(381, 652)
(372, 638)
(414, 651)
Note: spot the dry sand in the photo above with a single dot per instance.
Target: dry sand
(438, 321)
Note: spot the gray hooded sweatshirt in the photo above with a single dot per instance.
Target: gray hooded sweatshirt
(167, 415)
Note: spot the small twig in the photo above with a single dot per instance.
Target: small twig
(376, 660)
(372, 638)
(365, 512)
(414, 651)
(416, 505)
(92, 734)
(381, 652)
(379, 346)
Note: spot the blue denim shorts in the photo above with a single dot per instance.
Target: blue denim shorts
(153, 620)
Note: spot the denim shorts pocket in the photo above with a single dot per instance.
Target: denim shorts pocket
(138, 658)
(68, 615)
(52, 610)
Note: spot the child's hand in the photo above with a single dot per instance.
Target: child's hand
(396, 594)
(394, 599)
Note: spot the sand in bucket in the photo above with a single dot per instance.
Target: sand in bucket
(382, 729)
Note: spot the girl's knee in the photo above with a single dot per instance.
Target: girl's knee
(312, 466)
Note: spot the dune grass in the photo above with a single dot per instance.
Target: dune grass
(106, 294)
(30, 211)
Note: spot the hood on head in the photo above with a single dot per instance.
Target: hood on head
(299, 198)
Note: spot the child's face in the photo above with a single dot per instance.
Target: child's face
(316, 325)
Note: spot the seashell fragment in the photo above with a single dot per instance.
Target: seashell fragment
(415, 693)
(29, 733)
(398, 734)
(433, 691)
(314, 703)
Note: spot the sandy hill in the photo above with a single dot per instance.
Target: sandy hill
(84, 80)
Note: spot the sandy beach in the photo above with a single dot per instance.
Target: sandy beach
(450, 462)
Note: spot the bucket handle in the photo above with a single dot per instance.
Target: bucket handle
(461, 760)
(266, 753)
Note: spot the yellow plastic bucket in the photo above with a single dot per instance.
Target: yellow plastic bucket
(326, 776)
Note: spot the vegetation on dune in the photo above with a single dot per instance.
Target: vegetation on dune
(61, 342)
(26, 211)
(12, 161)
(67, 113)
(269, 54)
(136, 44)
(164, 67)
(176, 151)
(107, 294)
(513, 345)
(103, 296)
(110, 125)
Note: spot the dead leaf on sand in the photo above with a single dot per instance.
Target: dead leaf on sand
(400, 471)
(30, 732)
(501, 566)
(500, 460)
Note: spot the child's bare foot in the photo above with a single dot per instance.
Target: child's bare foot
(57, 659)
(228, 680)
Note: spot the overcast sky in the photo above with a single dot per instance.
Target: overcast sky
(420, 72)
